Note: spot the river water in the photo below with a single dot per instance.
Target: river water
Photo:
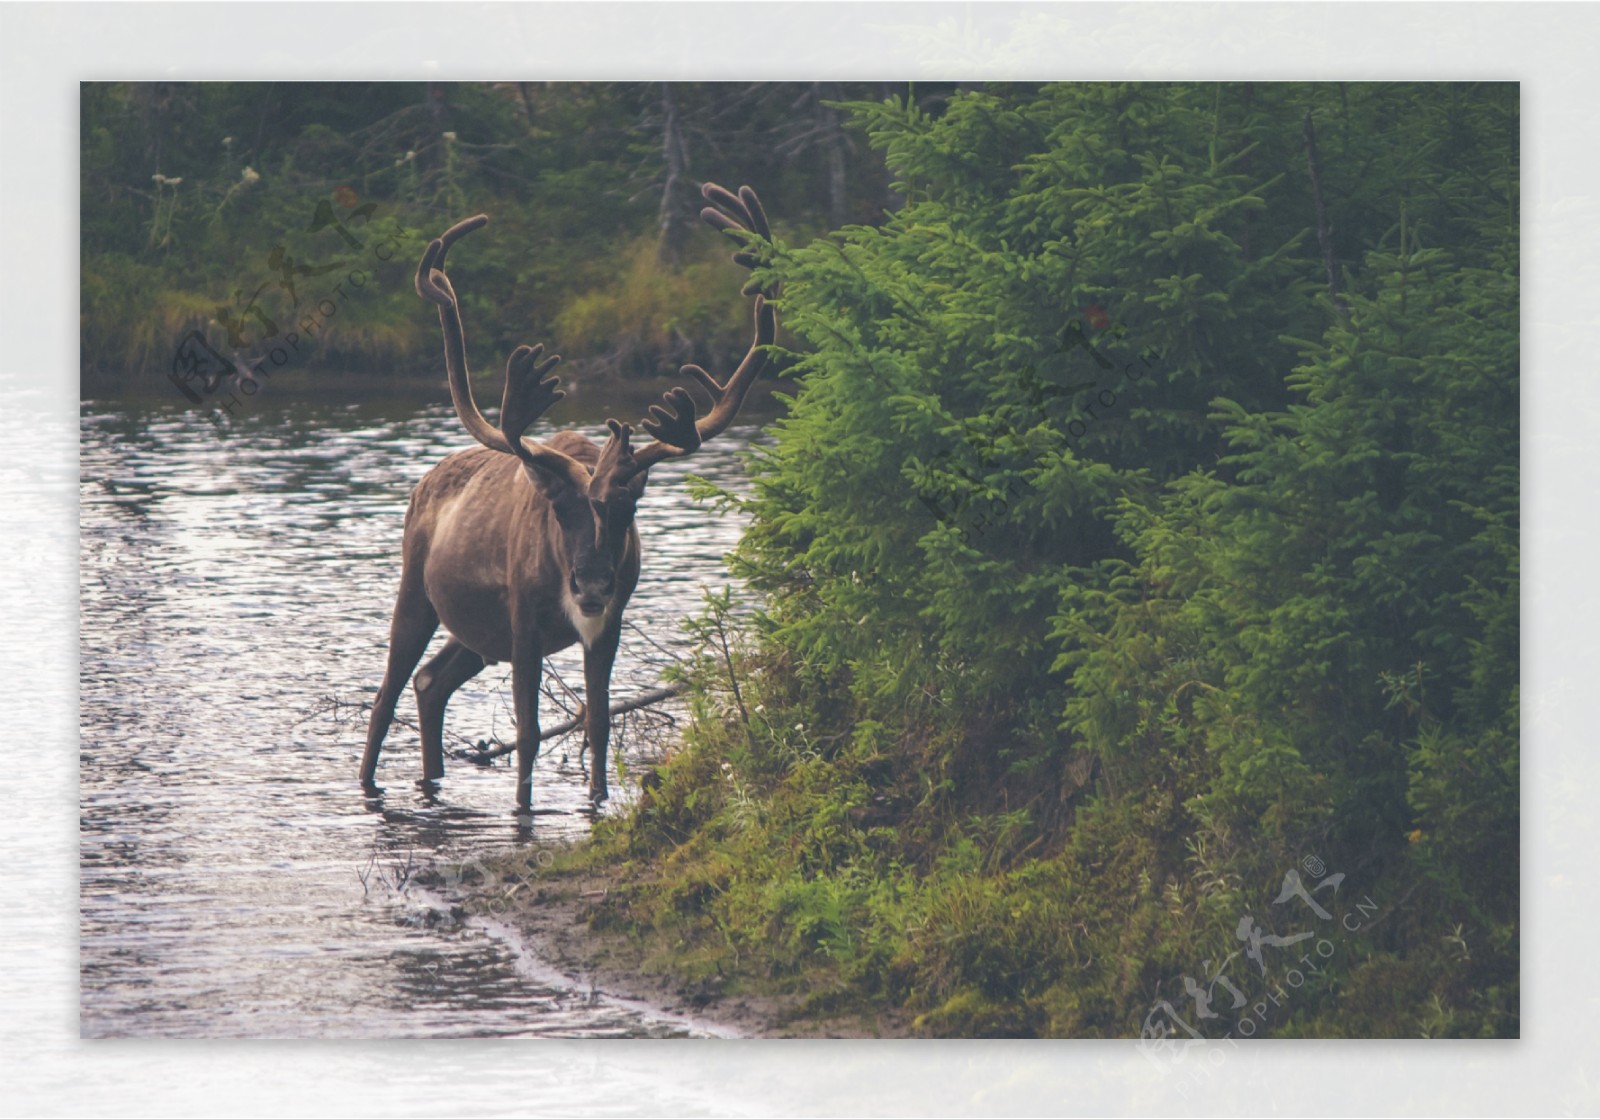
(235, 596)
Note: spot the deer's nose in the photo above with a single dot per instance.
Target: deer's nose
(593, 591)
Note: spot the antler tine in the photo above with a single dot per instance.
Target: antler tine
(529, 393)
(432, 284)
(744, 216)
(679, 432)
(672, 424)
(459, 230)
(757, 215)
(425, 269)
(728, 397)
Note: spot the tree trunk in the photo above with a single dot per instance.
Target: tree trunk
(832, 140)
(1324, 231)
(674, 223)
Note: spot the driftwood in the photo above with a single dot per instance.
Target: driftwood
(483, 755)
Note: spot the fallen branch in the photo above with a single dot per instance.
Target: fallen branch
(481, 755)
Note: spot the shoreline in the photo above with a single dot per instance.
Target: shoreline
(590, 398)
(547, 927)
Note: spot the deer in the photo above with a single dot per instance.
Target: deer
(521, 548)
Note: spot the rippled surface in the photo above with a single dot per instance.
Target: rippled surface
(235, 599)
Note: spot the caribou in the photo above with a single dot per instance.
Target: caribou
(524, 547)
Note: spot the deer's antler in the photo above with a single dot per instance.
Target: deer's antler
(529, 393)
(673, 422)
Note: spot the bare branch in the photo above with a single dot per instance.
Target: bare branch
(480, 756)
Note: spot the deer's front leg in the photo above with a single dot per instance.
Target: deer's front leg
(527, 666)
(597, 662)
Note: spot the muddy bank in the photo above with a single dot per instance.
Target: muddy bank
(550, 917)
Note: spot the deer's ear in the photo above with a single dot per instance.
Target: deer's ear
(553, 472)
(636, 484)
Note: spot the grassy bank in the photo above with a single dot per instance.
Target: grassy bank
(845, 881)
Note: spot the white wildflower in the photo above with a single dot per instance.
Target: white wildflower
(410, 156)
(250, 175)
(451, 136)
(227, 141)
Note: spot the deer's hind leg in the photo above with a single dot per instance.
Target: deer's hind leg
(410, 630)
(453, 666)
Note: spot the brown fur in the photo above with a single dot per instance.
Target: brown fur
(512, 545)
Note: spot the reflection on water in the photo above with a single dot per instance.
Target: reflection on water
(233, 586)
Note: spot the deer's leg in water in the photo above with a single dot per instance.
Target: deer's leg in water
(410, 630)
(454, 665)
(527, 665)
(597, 661)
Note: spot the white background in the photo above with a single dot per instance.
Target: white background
(47, 50)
